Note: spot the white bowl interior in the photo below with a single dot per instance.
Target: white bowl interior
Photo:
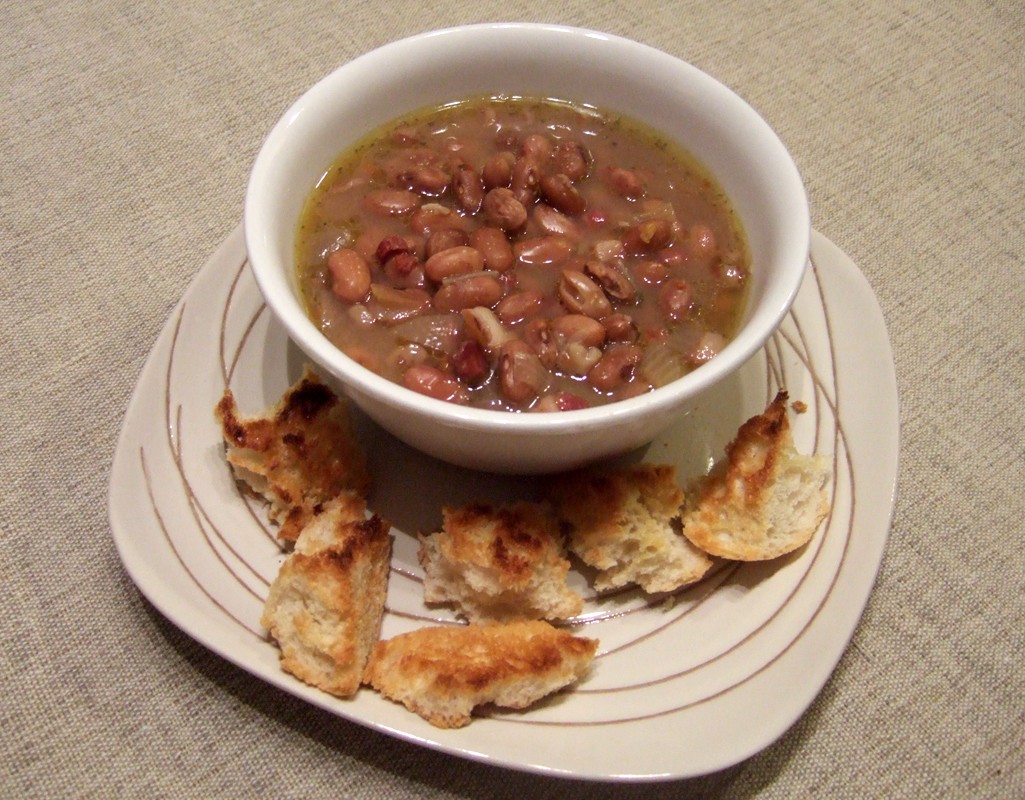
(712, 123)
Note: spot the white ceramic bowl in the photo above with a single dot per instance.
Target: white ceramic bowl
(710, 121)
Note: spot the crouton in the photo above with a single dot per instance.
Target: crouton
(325, 606)
(625, 524)
(298, 454)
(499, 563)
(443, 672)
(765, 499)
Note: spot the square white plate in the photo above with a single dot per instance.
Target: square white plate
(684, 687)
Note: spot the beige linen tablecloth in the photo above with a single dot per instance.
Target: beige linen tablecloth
(127, 132)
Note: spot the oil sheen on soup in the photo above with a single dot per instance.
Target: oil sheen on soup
(522, 255)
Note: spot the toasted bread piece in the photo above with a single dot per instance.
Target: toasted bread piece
(325, 607)
(499, 563)
(765, 499)
(321, 531)
(298, 454)
(625, 523)
(443, 673)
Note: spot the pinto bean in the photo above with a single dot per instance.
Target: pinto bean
(578, 328)
(494, 247)
(468, 189)
(652, 272)
(580, 295)
(520, 305)
(459, 260)
(620, 328)
(502, 208)
(389, 246)
(434, 216)
(613, 281)
(443, 239)
(554, 222)
(350, 275)
(497, 170)
(470, 362)
(522, 376)
(572, 159)
(616, 367)
(425, 179)
(405, 270)
(543, 250)
(536, 146)
(560, 192)
(624, 182)
(701, 239)
(467, 292)
(391, 202)
(526, 175)
(509, 280)
(538, 335)
(435, 383)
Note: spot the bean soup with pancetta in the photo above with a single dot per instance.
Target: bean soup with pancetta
(523, 255)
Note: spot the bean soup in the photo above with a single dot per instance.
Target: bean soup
(523, 255)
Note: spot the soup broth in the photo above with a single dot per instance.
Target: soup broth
(522, 255)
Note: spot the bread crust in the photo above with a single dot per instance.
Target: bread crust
(625, 524)
(499, 563)
(297, 454)
(443, 673)
(325, 606)
(765, 499)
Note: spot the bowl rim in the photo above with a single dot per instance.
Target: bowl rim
(359, 379)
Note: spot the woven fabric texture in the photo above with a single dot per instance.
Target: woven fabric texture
(127, 133)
